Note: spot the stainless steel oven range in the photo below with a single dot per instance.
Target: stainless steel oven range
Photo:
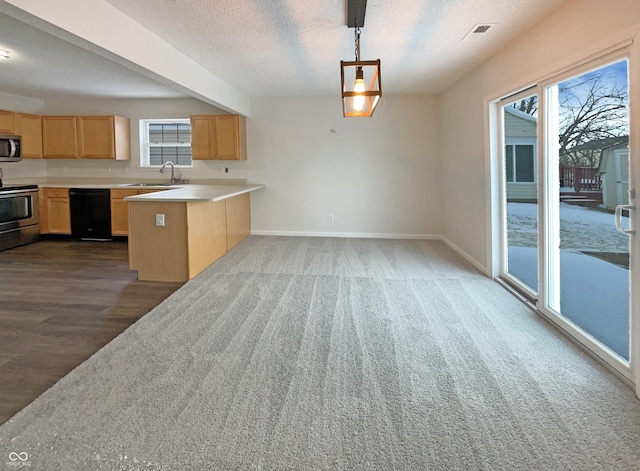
(19, 215)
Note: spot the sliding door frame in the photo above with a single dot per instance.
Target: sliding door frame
(634, 180)
(526, 291)
(549, 295)
(623, 45)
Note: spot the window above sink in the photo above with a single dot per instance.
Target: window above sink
(163, 140)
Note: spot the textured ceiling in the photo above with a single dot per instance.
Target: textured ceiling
(278, 47)
(43, 66)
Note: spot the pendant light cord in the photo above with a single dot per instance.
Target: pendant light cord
(357, 32)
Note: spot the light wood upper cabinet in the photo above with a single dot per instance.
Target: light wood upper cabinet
(7, 122)
(59, 137)
(103, 137)
(218, 137)
(55, 211)
(29, 126)
(202, 143)
(230, 137)
(86, 137)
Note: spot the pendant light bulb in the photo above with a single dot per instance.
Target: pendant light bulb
(358, 100)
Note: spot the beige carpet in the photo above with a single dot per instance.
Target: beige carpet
(319, 353)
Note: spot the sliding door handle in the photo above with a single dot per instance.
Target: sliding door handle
(618, 218)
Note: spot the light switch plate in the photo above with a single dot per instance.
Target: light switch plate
(159, 219)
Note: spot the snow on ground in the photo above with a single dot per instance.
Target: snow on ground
(581, 228)
(594, 293)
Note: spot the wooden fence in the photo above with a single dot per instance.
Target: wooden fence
(580, 178)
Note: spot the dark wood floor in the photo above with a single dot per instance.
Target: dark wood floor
(60, 302)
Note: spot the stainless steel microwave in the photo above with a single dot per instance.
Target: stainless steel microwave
(10, 148)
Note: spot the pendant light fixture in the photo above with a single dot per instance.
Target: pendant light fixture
(361, 83)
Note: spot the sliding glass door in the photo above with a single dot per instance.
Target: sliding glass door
(520, 192)
(587, 269)
(565, 186)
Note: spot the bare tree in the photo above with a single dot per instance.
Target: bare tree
(593, 116)
(528, 105)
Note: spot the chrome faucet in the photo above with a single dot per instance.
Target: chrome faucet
(174, 179)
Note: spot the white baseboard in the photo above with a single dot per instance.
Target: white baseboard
(377, 235)
(466, 256)
(352, 235)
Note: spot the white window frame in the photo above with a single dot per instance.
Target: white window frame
(145, 145)
(513, 142)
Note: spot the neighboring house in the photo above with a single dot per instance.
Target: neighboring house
(614, 171)
(520, 137)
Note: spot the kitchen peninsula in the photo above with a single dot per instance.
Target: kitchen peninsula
(177, 233)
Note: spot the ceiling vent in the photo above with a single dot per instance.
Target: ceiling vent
(478, 32)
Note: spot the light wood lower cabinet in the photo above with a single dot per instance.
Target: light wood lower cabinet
(238, 211)
(120, 209)
(195, 235)
(55, 211)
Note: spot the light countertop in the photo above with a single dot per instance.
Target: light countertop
(213, 190)
(187, 193)
(85, 185)
(100, 182)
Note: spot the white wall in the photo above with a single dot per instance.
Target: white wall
(19, 103)
(575, 27)
(378, 175)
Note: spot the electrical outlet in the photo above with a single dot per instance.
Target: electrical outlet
(331, 217)
(160, 220)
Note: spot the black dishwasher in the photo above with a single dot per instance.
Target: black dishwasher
(90, 213)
